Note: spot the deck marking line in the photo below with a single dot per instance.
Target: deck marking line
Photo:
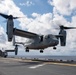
(36, 66)
(63, 64)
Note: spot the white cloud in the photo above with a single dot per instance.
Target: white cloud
(27, 3)
(36, 15)
(72, 4)
(65, 7)
(41, 24)
(2, 35)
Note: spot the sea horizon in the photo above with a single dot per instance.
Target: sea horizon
(54, 57)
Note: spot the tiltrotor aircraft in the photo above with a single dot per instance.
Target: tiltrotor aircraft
(13, 50)
(38, 41)
(5, 53)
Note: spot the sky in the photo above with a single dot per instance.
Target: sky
(41, 17)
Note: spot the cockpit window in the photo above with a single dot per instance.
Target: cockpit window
(46, 37)
(50, 36)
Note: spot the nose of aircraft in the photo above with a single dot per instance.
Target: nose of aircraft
(54, 42)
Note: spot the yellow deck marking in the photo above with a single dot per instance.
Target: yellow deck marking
(62, 64)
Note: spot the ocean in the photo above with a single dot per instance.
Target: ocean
(64, 58)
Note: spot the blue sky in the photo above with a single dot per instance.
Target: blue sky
(41, 17)
(37, 6)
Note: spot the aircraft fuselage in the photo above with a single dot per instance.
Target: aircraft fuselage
(46, 42)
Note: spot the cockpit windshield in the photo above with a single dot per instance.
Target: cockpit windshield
(50, 36)
(47, 36)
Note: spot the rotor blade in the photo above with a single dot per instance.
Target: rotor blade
(9, 16)
(4, 15)
(63, 27)
(17, 17)
(69, 27)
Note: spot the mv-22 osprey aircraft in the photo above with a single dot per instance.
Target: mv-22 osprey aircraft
(39, 41)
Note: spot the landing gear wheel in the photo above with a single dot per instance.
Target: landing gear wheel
(41, 51)
(54, 47)
(5, 54)
(27, 49)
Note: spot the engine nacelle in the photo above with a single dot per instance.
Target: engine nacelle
(10, 26)
(63, 37)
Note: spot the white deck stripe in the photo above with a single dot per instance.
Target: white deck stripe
(36, 66)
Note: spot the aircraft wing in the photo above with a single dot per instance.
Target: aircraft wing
(60, 35)
(24, 33)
